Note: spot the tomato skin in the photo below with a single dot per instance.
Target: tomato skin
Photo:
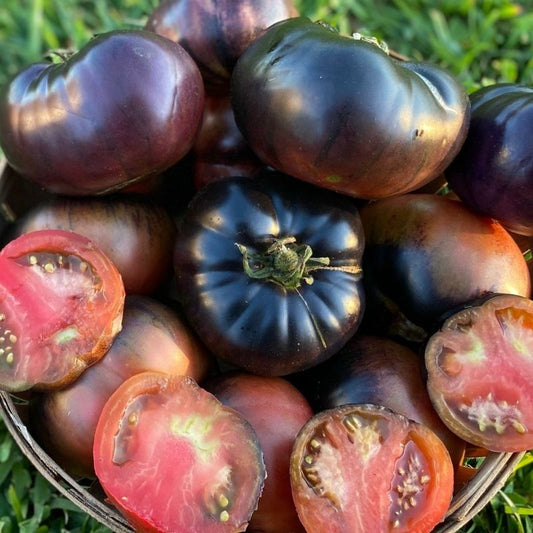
(253, 322)
(342, 114)
(426, 254)
(377, 370)
(158, 430)
(479, 365)
(153, 337)
(493, 172)
(220, 149)
(216, 33)
(136, 235)
(277, 411)
(125, 107)
(61, 306)
(362, 467)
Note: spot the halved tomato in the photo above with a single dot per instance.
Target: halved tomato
(479, 365)
(61, 305)
(365, 468)
(171, 457)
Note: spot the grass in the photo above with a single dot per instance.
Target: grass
(479, 41)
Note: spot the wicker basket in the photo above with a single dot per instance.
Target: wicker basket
(15, 197)
(467, 502)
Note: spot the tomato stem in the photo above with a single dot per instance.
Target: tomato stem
(284, 262)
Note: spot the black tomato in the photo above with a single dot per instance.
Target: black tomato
(426, 254)
(216, 33)
(343, 114)
(268, 271)
(125, 107)
(493, 172)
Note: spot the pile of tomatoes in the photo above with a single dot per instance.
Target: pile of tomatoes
(276, 277)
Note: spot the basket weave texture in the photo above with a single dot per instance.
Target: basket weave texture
(467, 502)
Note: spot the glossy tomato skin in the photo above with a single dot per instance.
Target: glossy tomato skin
(125, 107)
(377, 370)
(493, 172)
(216, 33)
(153, 337)
(61, 306)
(362, 467)
(261, 319)
(277, 411)
(344, 115)
(478, 372)
(171, 457)
(137, 235)
(427, 254)
(219, 148)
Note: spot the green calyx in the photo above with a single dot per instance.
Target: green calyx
(284, 262)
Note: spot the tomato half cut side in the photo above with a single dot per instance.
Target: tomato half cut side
(61, 305)
(479, 366)
(363, 467)
(171, 457)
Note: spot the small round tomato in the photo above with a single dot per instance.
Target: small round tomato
(343, 114)
(61, 306)
(171, 457)
(125, 107)
(479, 366)
(136, 235)
(268, 271)
(362, 467)
(493, 172)
(153, 337)
(277, 411)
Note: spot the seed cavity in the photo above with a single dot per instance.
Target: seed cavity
(489, 413)
(408, 485)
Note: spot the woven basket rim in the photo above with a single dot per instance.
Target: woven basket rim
(466, 503)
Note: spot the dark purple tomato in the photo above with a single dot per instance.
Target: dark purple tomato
(479, 365)
(277, 411)
(377, 370)
(215, 33)
(125, 107)
(153, 337)
(267, 270)
(427, 254)
(343, 114)
(220, 149)
(493, 172)
(138, 236)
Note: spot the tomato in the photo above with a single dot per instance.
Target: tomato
(61, 305)
(479, 364)
(277, 411)
(426, 254)
(342, 114)
(216, 33)
(377, 370)
(268, 272)
(136, 235)
(171, 457)
(220, 149)
(493, 172)
(125, 107)
(362, 467)
(153, 337)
